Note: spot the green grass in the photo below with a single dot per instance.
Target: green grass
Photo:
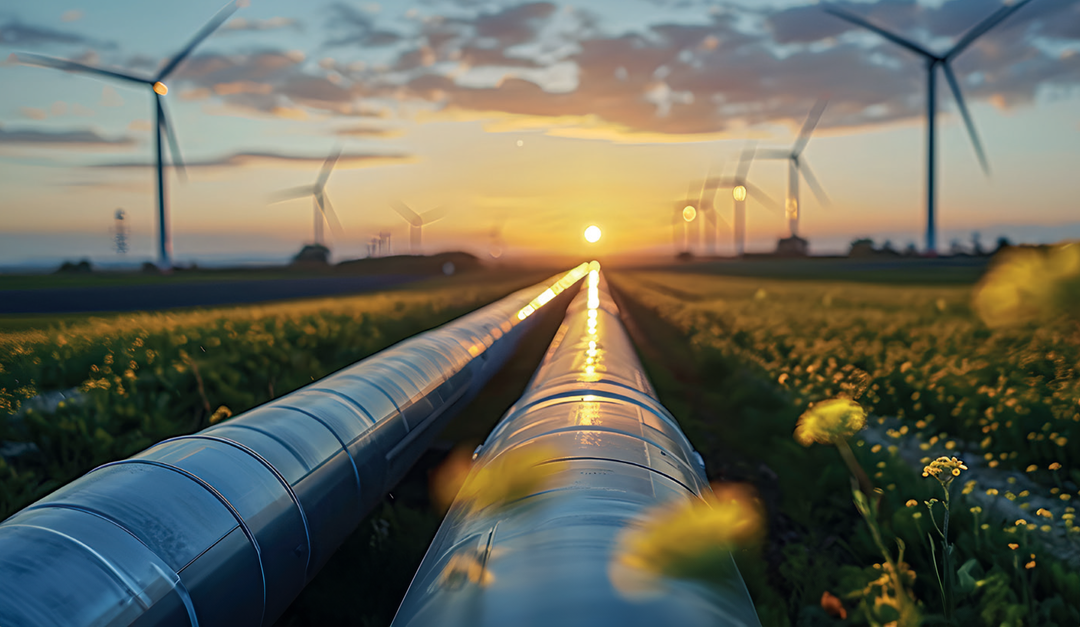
(738, 359)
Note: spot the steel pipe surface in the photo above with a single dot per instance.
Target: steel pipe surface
(226, 526)
(587, 453)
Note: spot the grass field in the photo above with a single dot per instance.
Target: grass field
(143, 377)
(739, 359)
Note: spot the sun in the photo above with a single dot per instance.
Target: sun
(592, 234)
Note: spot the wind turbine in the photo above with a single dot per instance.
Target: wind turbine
(707, 208)
(741, 189)
(417, 222)
(162, 125)
(682, 219)
(933, 62)
(496, 243)
(321, 205)
(797, 166)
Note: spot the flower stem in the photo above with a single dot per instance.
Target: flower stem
(855, 468)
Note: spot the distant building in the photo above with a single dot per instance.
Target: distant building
(793, 246)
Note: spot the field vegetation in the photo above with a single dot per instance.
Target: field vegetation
(936, 469)
(75, 394)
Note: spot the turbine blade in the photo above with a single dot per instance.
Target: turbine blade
(41, 60)
(291, 193)
(745, 160)
(403, 210)
(438, 213)
(808, 126)
(203, 33)
(982, 27)
(815, 187)
(773, 153)
(955, 85)
(174, 146)
(896, 39)
(763, 199)
(331, 215)
(327, 168)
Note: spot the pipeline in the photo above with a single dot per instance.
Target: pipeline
(585, 454)
(226, 526)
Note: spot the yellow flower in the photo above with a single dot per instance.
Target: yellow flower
(1055, 466)
(944, 469)
(1014, 546)
(1029, 284)
(829, 422)
(512, 475)
(691, 539)
(912, 503)
(222, 413)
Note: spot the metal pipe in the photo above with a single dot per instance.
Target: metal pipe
(226, 526)
(544, 553)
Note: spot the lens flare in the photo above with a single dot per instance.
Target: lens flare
(689, 213)
(739, 193)
(160, 88)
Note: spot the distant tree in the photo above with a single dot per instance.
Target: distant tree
(911, 250)
(1003, 243)
(976, 245)
(82, 267)
(862, 247)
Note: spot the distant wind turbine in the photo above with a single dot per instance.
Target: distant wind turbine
(796, 166)
(741, 190)
(323, 208)
(417, 222)
(707, 209)
(933, 62)
(682, 220)
(162, 126)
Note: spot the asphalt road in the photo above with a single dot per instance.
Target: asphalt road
(187, 294)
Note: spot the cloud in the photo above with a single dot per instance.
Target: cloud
(240, 24)
(272, 160)
(737, 68)
(33, 113)
(353, 27)
(110, 97)
(18, 34)
(366, 131)
(84, 137)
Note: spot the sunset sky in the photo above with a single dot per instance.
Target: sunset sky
(543, 117)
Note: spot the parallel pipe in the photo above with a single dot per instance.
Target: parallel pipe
(585, 455)
(226, 526)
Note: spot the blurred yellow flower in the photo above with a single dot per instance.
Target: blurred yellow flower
(514, 474)
(1028, 284)
(830, 421)
(692, 539)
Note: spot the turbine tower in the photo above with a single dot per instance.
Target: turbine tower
(162, 127)
(417, 222)
(796, 166)
(120, 239)
(933, 63)
(741, 190)
(682, 220)
(321, 205)
(707, 208)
